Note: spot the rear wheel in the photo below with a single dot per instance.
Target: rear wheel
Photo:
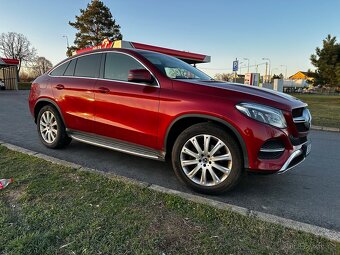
(51, 128)
(207, 159)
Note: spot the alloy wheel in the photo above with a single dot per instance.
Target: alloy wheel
(48, 127)
(206, 160)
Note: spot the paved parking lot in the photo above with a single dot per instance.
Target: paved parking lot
(310, 193)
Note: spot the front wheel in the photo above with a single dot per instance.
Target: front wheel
(207, 159)
(51, 128)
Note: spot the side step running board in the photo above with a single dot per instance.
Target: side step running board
(116, 145)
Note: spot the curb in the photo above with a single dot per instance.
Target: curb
(292, 224)
(322, 128)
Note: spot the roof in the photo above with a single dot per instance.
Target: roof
(189, 57)
(307, 74)
(8, 62)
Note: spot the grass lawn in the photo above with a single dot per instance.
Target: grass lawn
(24, 85)
(51, 209)
(325, 110)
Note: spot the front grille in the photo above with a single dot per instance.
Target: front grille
(272, 149)
(270, 155)
(297, 112)
(301, 127)
(297, 140)
(302, 119)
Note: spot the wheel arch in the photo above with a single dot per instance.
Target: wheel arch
(182, 122)
(43, 102)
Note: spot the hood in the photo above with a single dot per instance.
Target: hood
(287, 101)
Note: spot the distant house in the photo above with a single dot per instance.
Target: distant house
(309, 76)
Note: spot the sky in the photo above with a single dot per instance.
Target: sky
(285, 31)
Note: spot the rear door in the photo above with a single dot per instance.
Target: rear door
(125, 110)
(73, 89)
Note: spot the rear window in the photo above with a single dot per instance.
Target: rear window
(59, 71)
(70, 69)
(88, 66)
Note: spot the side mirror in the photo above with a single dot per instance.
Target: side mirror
(140, 75)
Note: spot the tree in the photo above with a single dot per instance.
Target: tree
(41, 65)
(275, 76)
(224, 76)
(94, 25)
(327, 62)
(15, 45)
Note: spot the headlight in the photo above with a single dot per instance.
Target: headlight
(262, 113)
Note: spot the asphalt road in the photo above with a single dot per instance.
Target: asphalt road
(309, 193)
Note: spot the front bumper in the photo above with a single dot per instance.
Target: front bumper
(297, 157)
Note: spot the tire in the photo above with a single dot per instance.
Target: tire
(49, 121)
(223, 168)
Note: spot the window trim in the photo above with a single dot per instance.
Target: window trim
(97, 74)
(69, 61)
(66, 62)
(101, 71)
(74, 70)
(139, 83)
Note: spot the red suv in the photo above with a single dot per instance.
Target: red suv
(156, 106)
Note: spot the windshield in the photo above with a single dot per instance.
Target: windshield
(173, 67)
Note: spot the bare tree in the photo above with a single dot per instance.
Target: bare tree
(41, 65)
(224, 76)
(15, 45)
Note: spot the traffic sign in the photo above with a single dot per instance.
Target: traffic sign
(235, 66)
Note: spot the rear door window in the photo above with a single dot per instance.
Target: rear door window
(88, 66)
(117, 66)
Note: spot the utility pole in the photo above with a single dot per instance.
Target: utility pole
(285, 70)
(240, 66)
(270, 63)
(248, 63)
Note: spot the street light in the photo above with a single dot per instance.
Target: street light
(65, 36)
(270, 63)
(275, 69)
(240, 65)
(285, 71)
(248, 62)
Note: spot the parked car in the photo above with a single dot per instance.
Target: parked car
(156, 106)
(2, 85)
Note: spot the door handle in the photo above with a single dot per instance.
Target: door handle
(103, 90)
(59, 86)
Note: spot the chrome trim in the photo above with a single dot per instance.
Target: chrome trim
(299, 120)
(306, 117)
(285, 168)
(113, 148)
(298, 151)
(272, 150)
(124, 53)
(68, 60)
(103, 79)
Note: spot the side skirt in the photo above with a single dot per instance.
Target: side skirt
(117, 145)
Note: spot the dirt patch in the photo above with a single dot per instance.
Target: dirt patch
(171, 230)
(12, 197)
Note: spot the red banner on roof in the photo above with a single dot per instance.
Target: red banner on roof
(189, 57)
